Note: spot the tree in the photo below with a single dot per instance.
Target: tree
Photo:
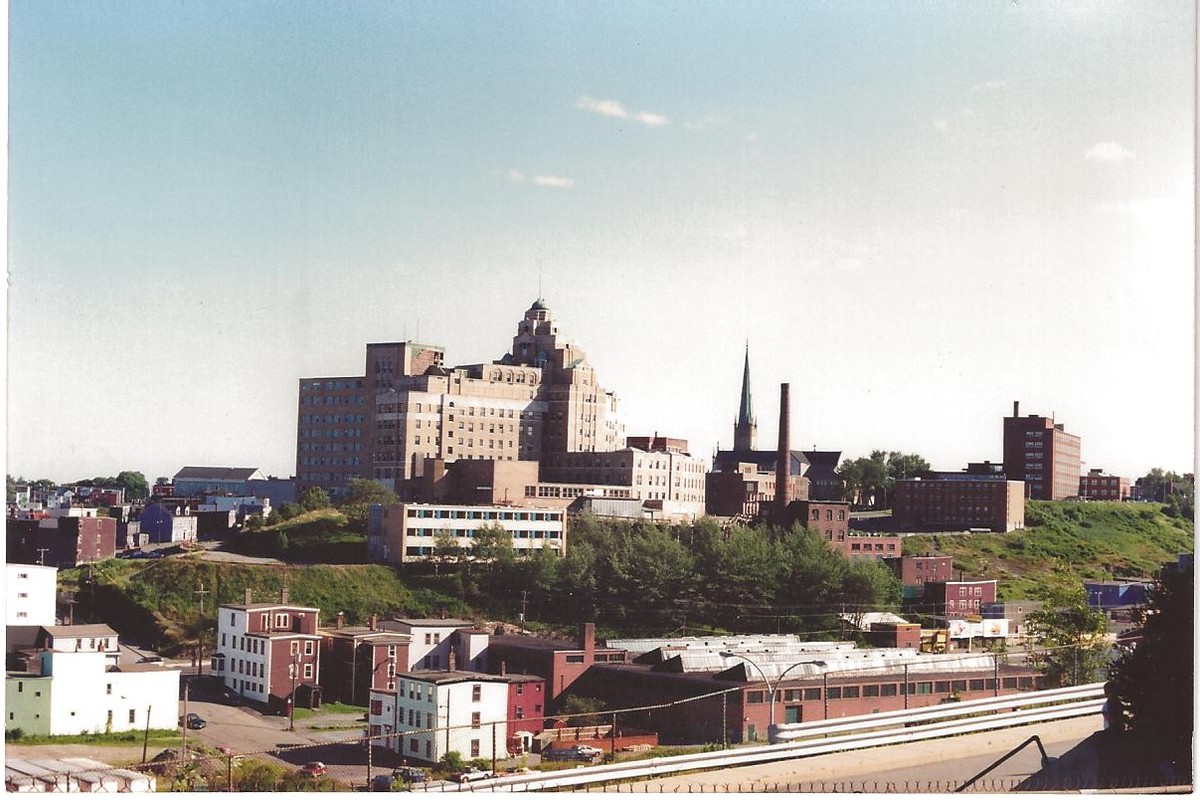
(314, 498)
(1071, 633)
(872, 481)
(361, 494)
(1155, 680)
(445, 550)
(134, 483)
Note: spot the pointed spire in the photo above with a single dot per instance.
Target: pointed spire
(746, 409)
(745, 430)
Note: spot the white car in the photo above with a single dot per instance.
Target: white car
(472, 774)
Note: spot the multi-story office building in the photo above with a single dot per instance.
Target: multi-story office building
(409, 531)
(1096, 485)
(1041, 453)
(980, 497)
(408, 410)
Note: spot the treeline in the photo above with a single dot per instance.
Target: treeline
(642, 578)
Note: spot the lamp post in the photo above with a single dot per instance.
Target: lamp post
(772, 686)
(293, 670)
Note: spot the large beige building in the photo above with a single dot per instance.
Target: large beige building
(408, 410)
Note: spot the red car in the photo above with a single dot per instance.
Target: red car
(313, 769)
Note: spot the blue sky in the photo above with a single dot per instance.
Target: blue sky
(914, 212)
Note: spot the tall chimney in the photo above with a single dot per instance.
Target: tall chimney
(248, 596)
(283, 595)
(452, 663)
(341, 619)
(783, 459)
(588, 641)
(503, 668)
(373, 622)
(1016, 408)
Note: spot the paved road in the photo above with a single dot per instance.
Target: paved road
(946, 763)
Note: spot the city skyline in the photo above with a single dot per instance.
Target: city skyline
(913, 214)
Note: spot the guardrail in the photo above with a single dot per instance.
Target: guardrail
(895, 727)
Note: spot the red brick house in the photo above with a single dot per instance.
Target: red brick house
(958, 599)
(559, 662)
(357, 659)
(269, 653)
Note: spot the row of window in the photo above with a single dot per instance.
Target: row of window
(893, 689)
(457, 513)
(331, 400)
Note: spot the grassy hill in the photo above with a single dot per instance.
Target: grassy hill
(1090, 540)
(155, 602)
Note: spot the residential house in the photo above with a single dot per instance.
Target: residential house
(68, 680)
(30, 594)
(269, 653)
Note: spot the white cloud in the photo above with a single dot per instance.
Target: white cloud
(613, 108)
(752, 137)
(1108, 152)
(651, 119)
(553, 181)
(516, 176)
(605, 108)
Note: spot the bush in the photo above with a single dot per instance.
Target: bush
(452, 762)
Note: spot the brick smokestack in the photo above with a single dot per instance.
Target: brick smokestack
(1016, 408)
(588, 641)
(783, 459)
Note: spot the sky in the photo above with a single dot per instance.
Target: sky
(915, 213)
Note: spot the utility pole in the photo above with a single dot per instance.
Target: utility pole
(41, 551)
(146, 736)
(183, 744)
(200, 634)
(524, 604)
(71, 609)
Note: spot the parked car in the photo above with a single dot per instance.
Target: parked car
(194, 722)
(576, 752)
(313, 769)
(150, 660)
(382, 783)
(472, 774)
(410, 774)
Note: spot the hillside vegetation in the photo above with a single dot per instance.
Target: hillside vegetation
(1089, 540)
(156, 602)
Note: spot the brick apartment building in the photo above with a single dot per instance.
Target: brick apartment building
(959, 599)
(980, 497)
(356, 659)
(63, 541)
(269, 653)
(1098, 485)
(1039, 452)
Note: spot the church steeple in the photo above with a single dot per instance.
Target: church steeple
(745, 431)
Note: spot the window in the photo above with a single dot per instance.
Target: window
(835, 693)
(429, 749)
(295, 648)
(475, 719)
(871, 690)
(941, 687)
(520, 688)
(888, 690)
(754, 698)
(791, 695)
(976, 684)
(413, 745)
(308, 670)
(308, 648)
(132, 716)
(108, 689)
(574, 659)
(849, 692)
(376, 707)
(474, 748)
(812, 694)
(476, 693)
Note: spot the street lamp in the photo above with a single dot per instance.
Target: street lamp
(773, 687)
(293, 670)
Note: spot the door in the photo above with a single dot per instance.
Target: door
(792, 714)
